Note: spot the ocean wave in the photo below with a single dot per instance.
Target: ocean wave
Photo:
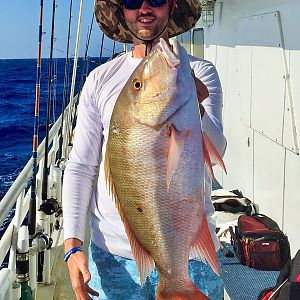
(14, 130)
(6, 180)
(17, 97)
(7, 106)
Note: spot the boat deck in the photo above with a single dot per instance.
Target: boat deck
(244, 283)
(60, 288)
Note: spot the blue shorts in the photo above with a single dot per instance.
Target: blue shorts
(117, 278)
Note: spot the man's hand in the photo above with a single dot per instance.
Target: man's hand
(78, 271)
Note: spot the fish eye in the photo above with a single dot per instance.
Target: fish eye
(136, 84)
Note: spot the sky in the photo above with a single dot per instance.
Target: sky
(19, 25)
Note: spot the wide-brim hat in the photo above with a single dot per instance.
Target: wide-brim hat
(110, 19)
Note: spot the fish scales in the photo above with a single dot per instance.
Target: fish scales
(164, 220)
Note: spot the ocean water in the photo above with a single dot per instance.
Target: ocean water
(17, 100)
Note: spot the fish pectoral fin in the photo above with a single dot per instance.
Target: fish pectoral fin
(203, 246)
(144, 261)
(175, 149)
(210, 154)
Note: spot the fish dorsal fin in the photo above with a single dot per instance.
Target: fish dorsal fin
(210, 154)
(175, 149)
(144, 261)
(203, 246)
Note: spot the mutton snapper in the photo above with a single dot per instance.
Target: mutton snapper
(154, 167)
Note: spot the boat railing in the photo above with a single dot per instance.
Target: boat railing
(19, 194)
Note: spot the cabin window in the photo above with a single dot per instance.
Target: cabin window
(185, 40)
(198, 42)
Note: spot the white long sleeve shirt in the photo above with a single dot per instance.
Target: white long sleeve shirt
(84, 181)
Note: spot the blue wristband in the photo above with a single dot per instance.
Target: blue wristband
(70, 252)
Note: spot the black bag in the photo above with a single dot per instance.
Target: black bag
(259, 243)
(288, 283)
(229, 206)
(234, 203)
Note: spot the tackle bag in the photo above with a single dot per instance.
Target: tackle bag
(288, 283)
(229, 206)
(259, 243)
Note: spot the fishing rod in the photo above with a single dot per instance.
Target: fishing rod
(22, 266)
(83, 72)
(60, 153)
(101, 49)
(70, 112)
(113, 51)
(54, 89)
(48, 206)
(45, 168)
(85, 66)
(32, 206)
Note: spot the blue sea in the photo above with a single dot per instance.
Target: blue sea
(17, 100)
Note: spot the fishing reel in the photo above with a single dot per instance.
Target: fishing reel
(50, 206)
(42, 242)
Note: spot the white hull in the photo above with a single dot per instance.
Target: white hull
(255, 46)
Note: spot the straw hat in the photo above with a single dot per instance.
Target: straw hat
(110, 18)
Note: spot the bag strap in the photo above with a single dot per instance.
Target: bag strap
(295, 265)
(271, 224)
(233, 236)
(233, 209)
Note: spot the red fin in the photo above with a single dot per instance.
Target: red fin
(175, 150)
(144, 261)
(207, 161)
(191, 293)
(211, 154)
(204, 248)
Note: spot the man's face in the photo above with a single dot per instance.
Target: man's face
(147, 22)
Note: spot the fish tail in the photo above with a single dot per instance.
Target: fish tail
(191, 293)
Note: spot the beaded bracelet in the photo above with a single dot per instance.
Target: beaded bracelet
(70, 252)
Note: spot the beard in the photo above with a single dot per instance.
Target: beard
(147, 33)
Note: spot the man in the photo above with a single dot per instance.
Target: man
(109, 272)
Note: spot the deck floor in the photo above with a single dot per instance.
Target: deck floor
(244, 283)
(60, 288)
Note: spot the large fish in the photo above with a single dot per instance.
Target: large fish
(154, 167)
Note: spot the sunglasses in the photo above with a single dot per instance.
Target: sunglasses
(136, 4)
